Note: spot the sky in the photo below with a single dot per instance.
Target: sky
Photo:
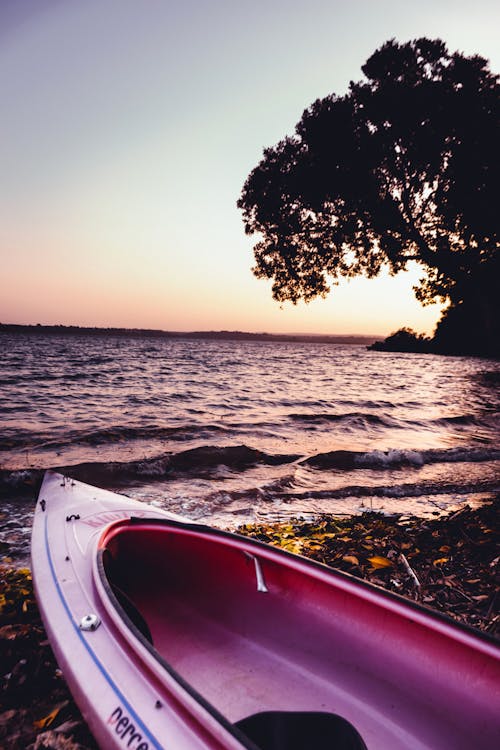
(128, 128)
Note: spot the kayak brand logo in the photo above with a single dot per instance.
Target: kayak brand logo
(126, 730)
(101, 519)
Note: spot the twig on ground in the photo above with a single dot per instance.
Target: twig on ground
(409, 570)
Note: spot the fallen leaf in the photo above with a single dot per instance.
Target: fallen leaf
(441, 560)
(313, 546)
(292, 546)
(379, 562)
(351, 559)
(46, 721)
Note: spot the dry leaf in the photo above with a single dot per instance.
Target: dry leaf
(351, 559)
(46, 721)
(379, 562)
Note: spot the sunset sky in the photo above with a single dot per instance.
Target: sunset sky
(128, 128)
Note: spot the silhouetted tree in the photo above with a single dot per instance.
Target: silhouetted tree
(404, 340)
(403, 168)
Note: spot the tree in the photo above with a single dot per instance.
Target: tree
(402, 168)
(404, 340)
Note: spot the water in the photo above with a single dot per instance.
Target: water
(230, 432)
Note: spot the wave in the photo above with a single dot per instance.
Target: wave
(399, 490)
(358, 419)
(282, 493)
(194, 462)
(488, 419)
(110, 435)
(45, 377)
(461, 419)
(393, 458)
(21, 483)
(363, 420)
(152, 432)
(207, 460)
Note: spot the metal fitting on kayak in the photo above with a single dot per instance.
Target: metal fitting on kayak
(261, 584)
(89, 622)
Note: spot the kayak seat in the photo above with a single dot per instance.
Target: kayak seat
(300, 730)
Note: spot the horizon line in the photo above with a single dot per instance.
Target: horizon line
(41, 327)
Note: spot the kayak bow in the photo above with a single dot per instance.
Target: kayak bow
(171, 634)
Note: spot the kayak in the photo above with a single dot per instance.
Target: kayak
(174, 635)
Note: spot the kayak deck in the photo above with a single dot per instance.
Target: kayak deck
(252, 631)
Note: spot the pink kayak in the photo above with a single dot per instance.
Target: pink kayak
(175, 636)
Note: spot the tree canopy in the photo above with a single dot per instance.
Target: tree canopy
(402, 168)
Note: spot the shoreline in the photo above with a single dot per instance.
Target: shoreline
(448, 564)
(16, 329)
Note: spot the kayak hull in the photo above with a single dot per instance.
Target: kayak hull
(204, 639)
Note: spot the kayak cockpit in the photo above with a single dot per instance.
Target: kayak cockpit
(212, 613)
(277, 646)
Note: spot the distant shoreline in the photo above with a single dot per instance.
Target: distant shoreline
(63, 330)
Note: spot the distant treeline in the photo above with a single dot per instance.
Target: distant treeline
(62, 330)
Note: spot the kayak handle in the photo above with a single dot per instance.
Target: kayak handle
(261, 584)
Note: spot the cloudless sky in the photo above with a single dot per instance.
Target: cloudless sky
(128, 128)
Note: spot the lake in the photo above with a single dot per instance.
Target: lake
(229, 432)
